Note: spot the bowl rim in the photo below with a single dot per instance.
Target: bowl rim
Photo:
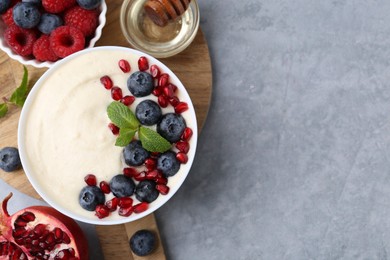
(26, 164)
(47, 64)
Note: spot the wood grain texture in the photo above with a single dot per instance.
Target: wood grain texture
(192, 66)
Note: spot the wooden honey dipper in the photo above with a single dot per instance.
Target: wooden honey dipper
(162, 11)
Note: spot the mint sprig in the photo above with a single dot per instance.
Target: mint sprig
(121, 116)
(3, 109)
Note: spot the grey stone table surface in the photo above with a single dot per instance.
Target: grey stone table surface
(294, 159)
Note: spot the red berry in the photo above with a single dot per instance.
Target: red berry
(181, 107)
(124, 65)
(116, 93)
(125, 212)
(85, 20)
(65, 40)
(182, 157)
(112, 204)
(114, 129)
(106, 81)
(163, 80)
(150, 164)
(143, 63)
(128, 100)
(163, 101)
(20, 40)
(163, 189)
(155, 71)
(130, 172)
(183, 146)
(102, 211)
(90, 179)
(140, 207)
(105, 187)
(187, 134)
(42, 50)
(8, 17)
(125, 202)
(57, 6)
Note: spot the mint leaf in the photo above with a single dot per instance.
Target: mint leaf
(122, 116)
(153, 141)
(3, 109)
(19, 96)
(125, 136)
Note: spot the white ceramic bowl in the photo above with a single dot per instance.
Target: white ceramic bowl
(36, 145)
(39, 64)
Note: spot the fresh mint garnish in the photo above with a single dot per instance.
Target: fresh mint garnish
(20, 94)
(121, 116)
(3, 109)
(153, 141)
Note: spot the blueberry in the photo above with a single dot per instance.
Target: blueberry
(9, 159)
(89, 4)
(4, 5)
(168, 164)
(140, 84)
(35, 2)
(122, 186)
(134, 154)
(148, 112)
(146, 191)
(49, 22)
(143, 242)
(90, 197)
(26, 15)
(171, 127)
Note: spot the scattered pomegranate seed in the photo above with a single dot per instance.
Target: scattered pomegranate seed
(152, 175)
(161, 180)
(116, 93)
(143, 63)
(187, 134)
(102, 211)
(106, 81)
(182, 157)
(105, 187)
(163, 80)
(114, 129)
(125, 202)
(168, 90)
(157, 91)
(124, 65)
(90, 180)
(174, 101)
(125, 212)
(163, 189)
(181, 107)
(141, 176)
(183, 146)
(140, 207)
(163, 101)
(150, 164)
(130, 172)
(112, 204)
(155, 71)
(128, 100)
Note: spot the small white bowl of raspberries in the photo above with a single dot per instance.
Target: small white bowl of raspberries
(41, 32)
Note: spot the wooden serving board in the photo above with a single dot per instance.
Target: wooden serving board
(193, 68)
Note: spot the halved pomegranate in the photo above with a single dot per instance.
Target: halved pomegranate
(40, 232)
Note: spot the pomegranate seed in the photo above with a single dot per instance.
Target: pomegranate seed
(181, 107)
(182, 157)
(106, 81)
(155, 71)
(39, 229)
(28, 216)
(65, 238)
(102, 211)
(116, 93)
(174, 101)
(125, 212)
(161, 180)
(143, 63)
(183, 146)
(57, 233)
(112, 204)
(105, 187)
(140, 207)
(157, 91)
(152, 175)
(125, 202)
(163, 189)
(124, 65)
(128, 100)
(50, 239)
(141, 176)
(130, 172)
(90, 179)
(163, 80)
(187, 134)
(163, 101)
(20, 222)
(114, 129)
(150, 164)
(19, 232)
(168, 90)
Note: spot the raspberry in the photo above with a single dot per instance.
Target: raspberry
(8, 17)
(85, 20)
(42, 50)
(20, 40)
(65, 40)
(57, 6)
